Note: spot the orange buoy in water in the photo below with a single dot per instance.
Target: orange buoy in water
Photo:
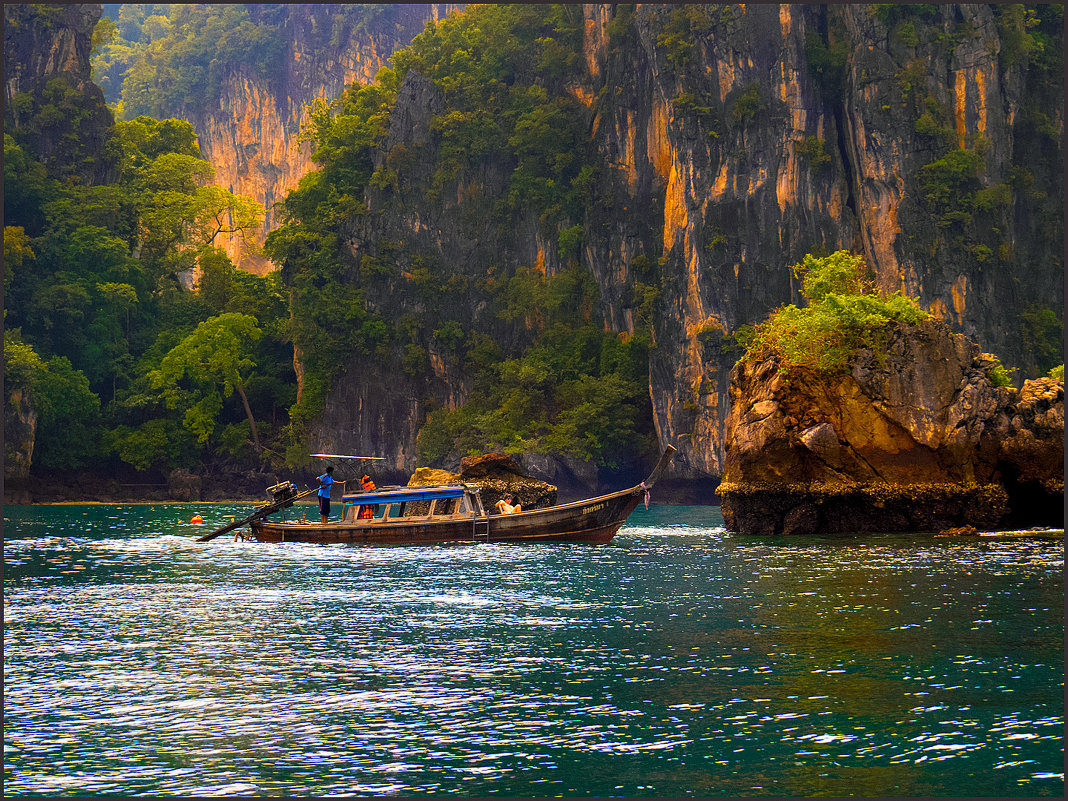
(197, 519)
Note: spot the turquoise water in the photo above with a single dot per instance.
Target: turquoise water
(678, 661)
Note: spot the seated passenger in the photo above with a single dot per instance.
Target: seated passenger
(367, 512)
(506, 506)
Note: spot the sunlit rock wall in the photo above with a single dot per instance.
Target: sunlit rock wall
(723, 156)
(731, 159)
(719, 202)
(251, 134)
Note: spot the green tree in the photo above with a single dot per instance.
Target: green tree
(69, 423)
(844, 313)
(841, 273)
(168, 181)
(216, 354)
(22, 370)
(185, 51)
(157, 442)
(99, 233)
(26, 188)
(120, 296)
(17, 253)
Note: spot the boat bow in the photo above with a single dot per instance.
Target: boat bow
(661, 466)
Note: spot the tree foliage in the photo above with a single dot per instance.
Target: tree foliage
(216, 358)
(180, 58)
(67, 428)
(843, 313)
(164, 59)
(577, 390)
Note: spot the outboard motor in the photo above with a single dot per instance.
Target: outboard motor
(280, 493)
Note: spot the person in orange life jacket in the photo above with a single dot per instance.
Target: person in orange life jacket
(367, 512)
(326, 481)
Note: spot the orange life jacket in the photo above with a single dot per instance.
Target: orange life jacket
(366, 512)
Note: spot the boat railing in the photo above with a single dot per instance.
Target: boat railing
(413, 504)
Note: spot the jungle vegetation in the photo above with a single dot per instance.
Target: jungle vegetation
(545, 375)
(118, 300)
(100, 303)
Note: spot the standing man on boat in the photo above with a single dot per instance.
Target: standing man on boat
(326, 481)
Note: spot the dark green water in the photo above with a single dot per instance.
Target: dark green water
(676, 661)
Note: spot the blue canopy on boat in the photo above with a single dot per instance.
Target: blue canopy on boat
(404, 494)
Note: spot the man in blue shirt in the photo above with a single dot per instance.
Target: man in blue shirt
(326, 480)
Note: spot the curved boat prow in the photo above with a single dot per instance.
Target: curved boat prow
(665, 459)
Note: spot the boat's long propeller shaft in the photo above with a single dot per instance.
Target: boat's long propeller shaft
(262, 512)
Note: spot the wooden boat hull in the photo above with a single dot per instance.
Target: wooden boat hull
(595, 520)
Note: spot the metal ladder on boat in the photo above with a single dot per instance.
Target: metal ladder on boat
(478, 509)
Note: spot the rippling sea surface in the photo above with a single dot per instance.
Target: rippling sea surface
(679, 660)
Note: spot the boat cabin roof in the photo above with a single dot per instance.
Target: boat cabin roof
(406, 494)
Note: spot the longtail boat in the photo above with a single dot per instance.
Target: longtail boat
(455, 513)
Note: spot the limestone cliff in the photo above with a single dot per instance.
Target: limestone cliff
(741, 137)
(917, 439)
(251, 133)
(703, 160)
(38, 46)
(377, 408)
(730, 141)
(50, 103)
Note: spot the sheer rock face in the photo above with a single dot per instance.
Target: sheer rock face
(251, 135)
(719, 200)
(728, 196)
(715, 172)
(37, 47)
(41, 44)
(918, 441)
(373, 412)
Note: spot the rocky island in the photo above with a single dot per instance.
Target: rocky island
(915, 434)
